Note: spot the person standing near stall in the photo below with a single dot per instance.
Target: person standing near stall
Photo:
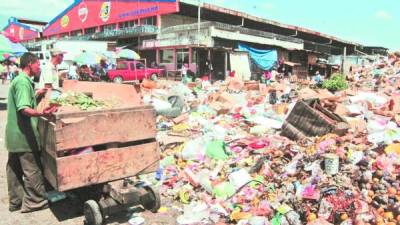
(50, 77)
(25, 182)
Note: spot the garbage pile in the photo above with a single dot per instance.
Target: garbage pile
(227, 160)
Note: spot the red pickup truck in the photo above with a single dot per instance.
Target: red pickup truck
(131, 71)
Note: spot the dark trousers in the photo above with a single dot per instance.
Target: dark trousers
(25, 181)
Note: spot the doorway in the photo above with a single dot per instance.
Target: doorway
(202, 56)
(182, 57)
(218, 59)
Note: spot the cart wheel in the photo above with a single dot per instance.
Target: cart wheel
(92, 213)
(152, 202)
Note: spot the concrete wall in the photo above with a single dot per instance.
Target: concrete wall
(173, 20)
(230, 35)
(186, 37)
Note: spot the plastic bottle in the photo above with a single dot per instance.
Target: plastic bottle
(160, 174)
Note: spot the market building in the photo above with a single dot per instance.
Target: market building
(205, 37)
(23, 30)
(375, 50)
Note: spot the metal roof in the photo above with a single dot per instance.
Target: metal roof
(13, 20)
(262, 20)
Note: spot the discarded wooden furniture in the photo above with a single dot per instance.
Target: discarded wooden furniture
(308, 119)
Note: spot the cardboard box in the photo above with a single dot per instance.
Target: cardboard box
(396, 106)
(213, 97)
(356, 124)
(279, 86)
(181, 118)
(252, 85)
(352, 92)
(280, 109)
(325, 94)
(226, 97)
(234, 84)
(264, 89)
(341, 110)
(307, 93)
(221, 108)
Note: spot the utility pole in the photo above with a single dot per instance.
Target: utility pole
(344, 58)
(198, 22)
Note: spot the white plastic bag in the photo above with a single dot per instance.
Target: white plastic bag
(194, 150)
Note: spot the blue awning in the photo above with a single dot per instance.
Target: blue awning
(265, 59)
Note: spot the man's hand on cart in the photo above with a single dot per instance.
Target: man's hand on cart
(48, 111)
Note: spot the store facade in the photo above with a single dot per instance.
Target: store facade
(172, 33)
(20, 32)
(87, 17)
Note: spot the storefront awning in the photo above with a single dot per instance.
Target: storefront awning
(264, 59)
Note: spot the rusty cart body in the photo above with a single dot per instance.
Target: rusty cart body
(123, 145)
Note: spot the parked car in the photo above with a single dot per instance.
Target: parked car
(131, 71)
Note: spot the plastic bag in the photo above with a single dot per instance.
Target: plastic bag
(216, 150)
(159, 104)
(224, 190)
(194, 213)
(194, 150)
(239, 178)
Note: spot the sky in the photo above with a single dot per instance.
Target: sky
(371, 22)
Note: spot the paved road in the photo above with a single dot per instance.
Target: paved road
(64, 212)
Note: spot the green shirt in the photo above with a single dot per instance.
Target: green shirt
(21, 131)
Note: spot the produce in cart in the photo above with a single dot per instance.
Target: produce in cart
(80, 101)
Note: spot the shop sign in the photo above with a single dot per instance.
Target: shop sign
(105, 11)
(65, 21)
(83, 12)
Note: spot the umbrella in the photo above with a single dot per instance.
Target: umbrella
(7, 46)
(13, 59)
(4, 56)
(18, 49)
(128, 54)
(88, 58)
(109, 54)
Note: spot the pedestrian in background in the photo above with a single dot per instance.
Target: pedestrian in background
(50, 77)
(73, 71)
(3, 73)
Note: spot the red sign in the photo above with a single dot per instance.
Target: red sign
(92, 13)
(20, 33)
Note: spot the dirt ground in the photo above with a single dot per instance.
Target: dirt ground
(65, 212)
